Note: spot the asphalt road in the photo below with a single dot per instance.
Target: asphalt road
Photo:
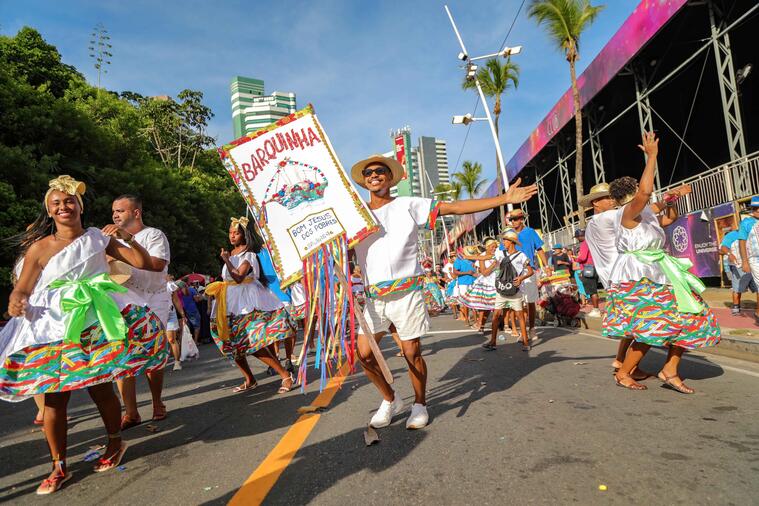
(544, 427)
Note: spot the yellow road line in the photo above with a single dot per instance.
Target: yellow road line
(259, 484)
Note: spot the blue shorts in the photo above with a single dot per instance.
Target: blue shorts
(741, 281)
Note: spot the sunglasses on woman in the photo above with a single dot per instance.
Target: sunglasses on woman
(380, 171)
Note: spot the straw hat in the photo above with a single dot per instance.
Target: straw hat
(516, 212)
(598, 191)
(120, 272)
(396, 169)
(471, 250)
(511, 235)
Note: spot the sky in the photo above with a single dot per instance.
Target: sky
(366, 66)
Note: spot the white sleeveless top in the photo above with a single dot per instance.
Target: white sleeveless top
(490, 278)
(44, 321)
(247, 297)
(647, 235)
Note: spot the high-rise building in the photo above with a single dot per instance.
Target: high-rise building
(252, 110)
(426, 164)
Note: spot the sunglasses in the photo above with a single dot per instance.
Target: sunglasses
(517, 218)
(380, 171)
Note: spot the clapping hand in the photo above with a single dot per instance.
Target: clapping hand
(117, 232)
(224, 254)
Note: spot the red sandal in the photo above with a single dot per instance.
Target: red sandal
(108, 463)
(54, 482)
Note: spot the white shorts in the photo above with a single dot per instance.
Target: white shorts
(514, 302)
(529, 289)
(172, 324)
(405, 310)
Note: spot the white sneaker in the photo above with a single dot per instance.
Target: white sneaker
(177, 365)
(594, 313)
(418, 418)
(386, 412)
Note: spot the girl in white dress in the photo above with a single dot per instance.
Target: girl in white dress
(249, 318)
(481, 294)
(72, 326)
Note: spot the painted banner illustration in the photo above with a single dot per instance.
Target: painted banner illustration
(300, 195)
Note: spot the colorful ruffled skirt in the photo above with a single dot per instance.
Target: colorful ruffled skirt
(297, 313)
(433, 297)
(480, 296)
(62, 366)
(647, 312)
(251, 332)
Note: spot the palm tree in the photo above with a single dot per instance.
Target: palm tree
(448, 191)
(469, 180)
(495, 78)
(564, 21)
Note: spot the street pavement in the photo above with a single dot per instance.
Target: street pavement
(507, 427)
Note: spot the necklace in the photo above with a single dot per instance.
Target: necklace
(69, 239)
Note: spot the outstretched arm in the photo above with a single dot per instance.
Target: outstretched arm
(515, 195)
(632, 210)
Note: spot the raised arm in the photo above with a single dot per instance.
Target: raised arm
(515, 195)
(633, 209)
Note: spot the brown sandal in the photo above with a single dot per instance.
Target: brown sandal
(128, 423)
(630, 386)
(283, 389)
(682, 387)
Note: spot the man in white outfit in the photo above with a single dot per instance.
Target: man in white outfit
(394, 279)
(151, 286)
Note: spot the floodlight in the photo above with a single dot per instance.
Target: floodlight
(508, 51)
(462, 120)
(463, 57)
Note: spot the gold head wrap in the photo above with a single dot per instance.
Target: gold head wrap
(242, 221)
(68, 185)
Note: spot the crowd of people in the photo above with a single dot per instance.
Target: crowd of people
(79, 319)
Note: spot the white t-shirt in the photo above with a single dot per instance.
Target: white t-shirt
(149, 282)
(448, 271)
(601, 234)
(391, 252)
(518, 259)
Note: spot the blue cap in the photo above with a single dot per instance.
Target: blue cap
(755, 201)
(557, 246)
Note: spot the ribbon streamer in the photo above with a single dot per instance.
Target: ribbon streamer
(684, 282)
(330, 311)
(80, 295)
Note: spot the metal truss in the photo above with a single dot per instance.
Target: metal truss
(728, 88)
(595, 149)
(566, 185)
(645, 118)
(543, 205)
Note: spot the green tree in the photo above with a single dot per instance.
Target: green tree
(564, 21)
(470, 180)
(448, 191)
(53, 122)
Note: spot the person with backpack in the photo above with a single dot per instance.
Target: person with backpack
(513, 268)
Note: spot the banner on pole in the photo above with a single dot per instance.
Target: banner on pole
(297, 189)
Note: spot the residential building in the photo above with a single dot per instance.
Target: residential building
(252, 110)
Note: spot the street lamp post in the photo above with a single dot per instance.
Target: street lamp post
(471, 71)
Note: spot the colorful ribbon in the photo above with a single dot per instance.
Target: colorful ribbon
(401, 285)
(684, 283)
(80, 295)
(218, 290)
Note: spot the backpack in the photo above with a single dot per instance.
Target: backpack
(504, 283)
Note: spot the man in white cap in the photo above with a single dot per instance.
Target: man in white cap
(151, 286)
(748, 237)
(394, 279)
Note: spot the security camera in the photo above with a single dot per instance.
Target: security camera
(463, 56)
